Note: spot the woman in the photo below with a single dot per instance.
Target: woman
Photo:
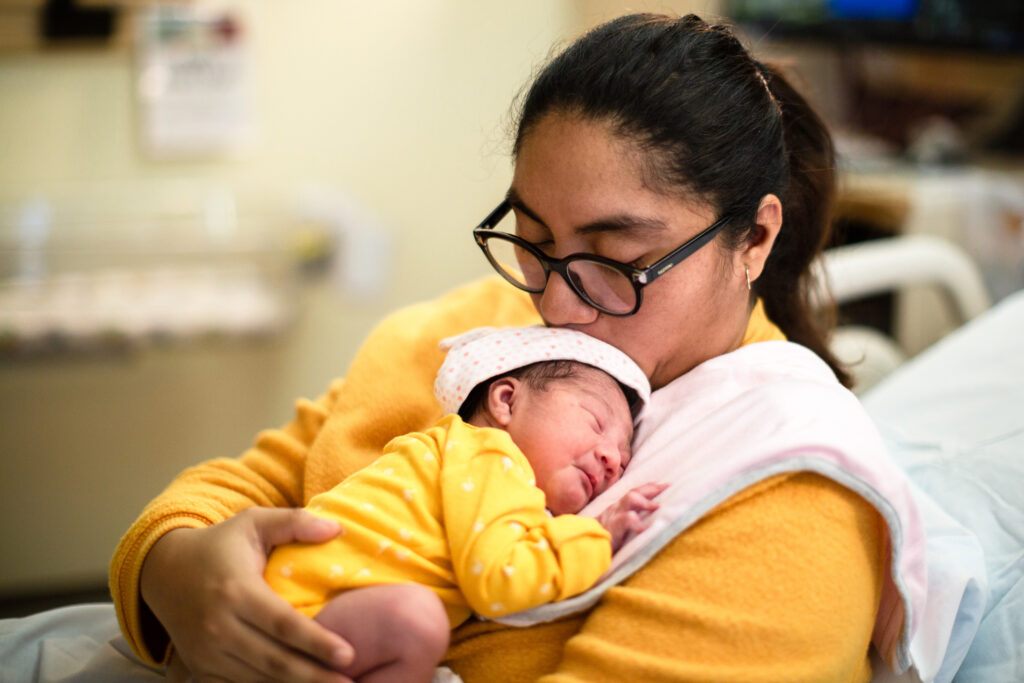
(646, 133)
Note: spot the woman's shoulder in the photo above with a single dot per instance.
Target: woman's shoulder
(792, 495)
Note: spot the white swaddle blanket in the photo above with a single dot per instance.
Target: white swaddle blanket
(737, 419)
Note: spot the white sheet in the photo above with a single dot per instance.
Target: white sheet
(954, 418)
(80, 644)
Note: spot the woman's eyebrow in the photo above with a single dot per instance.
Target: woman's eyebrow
(513, 198)
(621, 223)
(616, 223)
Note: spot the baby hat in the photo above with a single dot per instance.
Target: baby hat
(487, 352)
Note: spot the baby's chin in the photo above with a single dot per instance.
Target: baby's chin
(567, 504)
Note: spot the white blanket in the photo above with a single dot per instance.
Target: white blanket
(762, 410)
(77, 644)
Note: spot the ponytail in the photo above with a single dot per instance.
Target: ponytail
(786, 284)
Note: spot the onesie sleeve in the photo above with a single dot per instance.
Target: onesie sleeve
(508, 552)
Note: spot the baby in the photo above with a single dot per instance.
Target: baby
(476, 514)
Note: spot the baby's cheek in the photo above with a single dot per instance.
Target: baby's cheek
(566, 496)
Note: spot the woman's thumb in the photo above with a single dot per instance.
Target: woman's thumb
(277, 526)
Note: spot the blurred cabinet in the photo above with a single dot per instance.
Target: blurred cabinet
(86, 440)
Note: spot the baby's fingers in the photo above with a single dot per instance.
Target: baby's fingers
(636, 501)
(650, 489)
(639, 523)
(636, 522)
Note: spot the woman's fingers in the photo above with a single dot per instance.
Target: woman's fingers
(243, 651)
(277, 526)
(278, 622)
(259, 656)
(206, 587)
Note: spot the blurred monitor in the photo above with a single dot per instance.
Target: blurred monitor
(981, 25)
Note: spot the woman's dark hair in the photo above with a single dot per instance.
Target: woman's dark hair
(713, 122)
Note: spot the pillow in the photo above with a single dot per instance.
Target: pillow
(953, 418)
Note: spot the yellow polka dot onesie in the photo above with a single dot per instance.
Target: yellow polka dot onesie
(454, 509)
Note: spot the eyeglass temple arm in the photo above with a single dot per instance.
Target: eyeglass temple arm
(494, 217)
(656, 270)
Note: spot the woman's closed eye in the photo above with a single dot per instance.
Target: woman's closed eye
(538, 241)
(542, 244)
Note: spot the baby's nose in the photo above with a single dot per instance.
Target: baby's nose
(610, 461)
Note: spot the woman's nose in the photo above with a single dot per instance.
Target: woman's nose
(560, 305)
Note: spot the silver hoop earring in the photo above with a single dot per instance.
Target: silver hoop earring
(747, 270)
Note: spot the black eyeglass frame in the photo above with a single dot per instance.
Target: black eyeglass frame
(640, 277)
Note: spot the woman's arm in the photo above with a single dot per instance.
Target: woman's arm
(388, 388)
(206, 587)
(269, 475)
(781, 582)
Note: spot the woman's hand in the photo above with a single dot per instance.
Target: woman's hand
(631, 514)
(206, 587)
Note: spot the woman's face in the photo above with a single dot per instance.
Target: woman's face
(579, 188)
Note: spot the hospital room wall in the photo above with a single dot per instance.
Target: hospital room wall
(399, 106)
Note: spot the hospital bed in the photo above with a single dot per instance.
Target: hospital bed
(953, 417)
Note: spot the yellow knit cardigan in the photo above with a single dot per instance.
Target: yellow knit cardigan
(779, 583)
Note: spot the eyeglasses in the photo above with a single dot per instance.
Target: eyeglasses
(611, 287)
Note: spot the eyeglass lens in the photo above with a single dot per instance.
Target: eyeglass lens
(602, 285)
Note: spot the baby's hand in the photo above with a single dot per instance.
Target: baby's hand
(631, 514)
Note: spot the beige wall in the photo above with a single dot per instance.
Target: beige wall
(400, 104)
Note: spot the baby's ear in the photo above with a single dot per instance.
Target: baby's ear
(501, 396)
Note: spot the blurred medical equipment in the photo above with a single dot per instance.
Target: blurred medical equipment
(106, 268)
(863, 269)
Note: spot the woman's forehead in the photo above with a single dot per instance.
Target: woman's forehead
(633, 220)
(575, 172)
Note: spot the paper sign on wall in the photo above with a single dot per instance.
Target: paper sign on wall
(194, 84)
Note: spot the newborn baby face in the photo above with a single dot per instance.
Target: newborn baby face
(576, 434)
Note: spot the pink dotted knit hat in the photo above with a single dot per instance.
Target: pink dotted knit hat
(487, 352)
